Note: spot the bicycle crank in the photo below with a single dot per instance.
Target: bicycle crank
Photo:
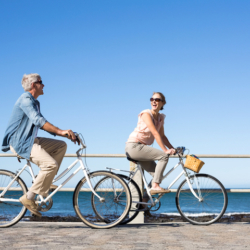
(156, 207)
(45, 206)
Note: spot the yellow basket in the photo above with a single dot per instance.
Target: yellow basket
(193, 164)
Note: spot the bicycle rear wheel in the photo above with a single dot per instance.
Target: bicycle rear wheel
(11, 212)
(135, 198)
(210, 207)
(102, 214)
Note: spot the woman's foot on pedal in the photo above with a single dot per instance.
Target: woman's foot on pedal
(159, 191)
(30, 205)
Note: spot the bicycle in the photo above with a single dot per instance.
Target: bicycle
(201, 199)
(112, 199)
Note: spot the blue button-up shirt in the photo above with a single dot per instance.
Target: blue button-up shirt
(23, 124)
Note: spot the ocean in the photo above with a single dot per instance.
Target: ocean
(238, 203)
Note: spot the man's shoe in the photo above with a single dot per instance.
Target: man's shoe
(30, 205)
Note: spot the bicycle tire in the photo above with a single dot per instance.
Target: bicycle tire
(91, 210)
(136, 196)
(11, 212)
(212, 206)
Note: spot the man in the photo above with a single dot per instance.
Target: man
(21, 138)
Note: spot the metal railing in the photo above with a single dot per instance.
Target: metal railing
(124, 156)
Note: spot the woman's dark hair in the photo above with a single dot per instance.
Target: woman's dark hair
(162, 97)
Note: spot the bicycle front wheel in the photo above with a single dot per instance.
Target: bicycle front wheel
(211, 202)
(113, 206)
(11, 210)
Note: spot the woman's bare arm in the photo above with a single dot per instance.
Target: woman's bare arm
(148, 121)
(164, 138)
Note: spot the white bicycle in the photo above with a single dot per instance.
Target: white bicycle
(201, 199)
(102, 207)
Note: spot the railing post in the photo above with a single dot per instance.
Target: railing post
(138, 179)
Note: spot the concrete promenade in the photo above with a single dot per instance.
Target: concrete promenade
(75, 235)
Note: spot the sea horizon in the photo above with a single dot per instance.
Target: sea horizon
(238, 203)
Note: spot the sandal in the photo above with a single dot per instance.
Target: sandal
(161, 191)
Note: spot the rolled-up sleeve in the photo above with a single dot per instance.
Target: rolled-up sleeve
(30, 109)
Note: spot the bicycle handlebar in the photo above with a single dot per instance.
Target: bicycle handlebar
(180, 151)
(79, 140)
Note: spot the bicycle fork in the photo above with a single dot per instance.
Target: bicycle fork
(191, 187)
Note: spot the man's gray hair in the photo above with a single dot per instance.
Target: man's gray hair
(28, 79)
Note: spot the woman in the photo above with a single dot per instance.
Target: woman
(150, 127)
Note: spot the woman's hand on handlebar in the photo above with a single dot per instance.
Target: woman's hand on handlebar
(170, 151)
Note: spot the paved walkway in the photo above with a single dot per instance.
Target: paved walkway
(67, 235)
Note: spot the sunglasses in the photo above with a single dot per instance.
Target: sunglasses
(155, 99)
(40, 82)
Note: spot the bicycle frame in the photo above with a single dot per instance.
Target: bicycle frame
(44, 200)
(184, 172)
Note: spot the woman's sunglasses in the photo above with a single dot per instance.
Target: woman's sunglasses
(155, 99)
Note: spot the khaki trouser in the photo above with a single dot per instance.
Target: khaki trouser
(146, 156)
(48, 155)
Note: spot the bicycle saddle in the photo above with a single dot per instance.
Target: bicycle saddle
(130, 159)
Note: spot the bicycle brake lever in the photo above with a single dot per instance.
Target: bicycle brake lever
(77, 138)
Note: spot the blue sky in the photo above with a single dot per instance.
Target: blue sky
(101, 61)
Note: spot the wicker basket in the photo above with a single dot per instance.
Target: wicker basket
(193, 164)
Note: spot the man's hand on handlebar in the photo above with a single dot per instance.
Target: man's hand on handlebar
(70, 135)
(170, 151)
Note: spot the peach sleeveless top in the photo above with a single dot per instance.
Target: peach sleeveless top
(141, 133)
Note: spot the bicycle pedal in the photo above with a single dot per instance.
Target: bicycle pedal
(141, 210)
(140, 207)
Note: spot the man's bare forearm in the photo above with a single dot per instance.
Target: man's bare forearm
(64, 133)
(52, 129)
